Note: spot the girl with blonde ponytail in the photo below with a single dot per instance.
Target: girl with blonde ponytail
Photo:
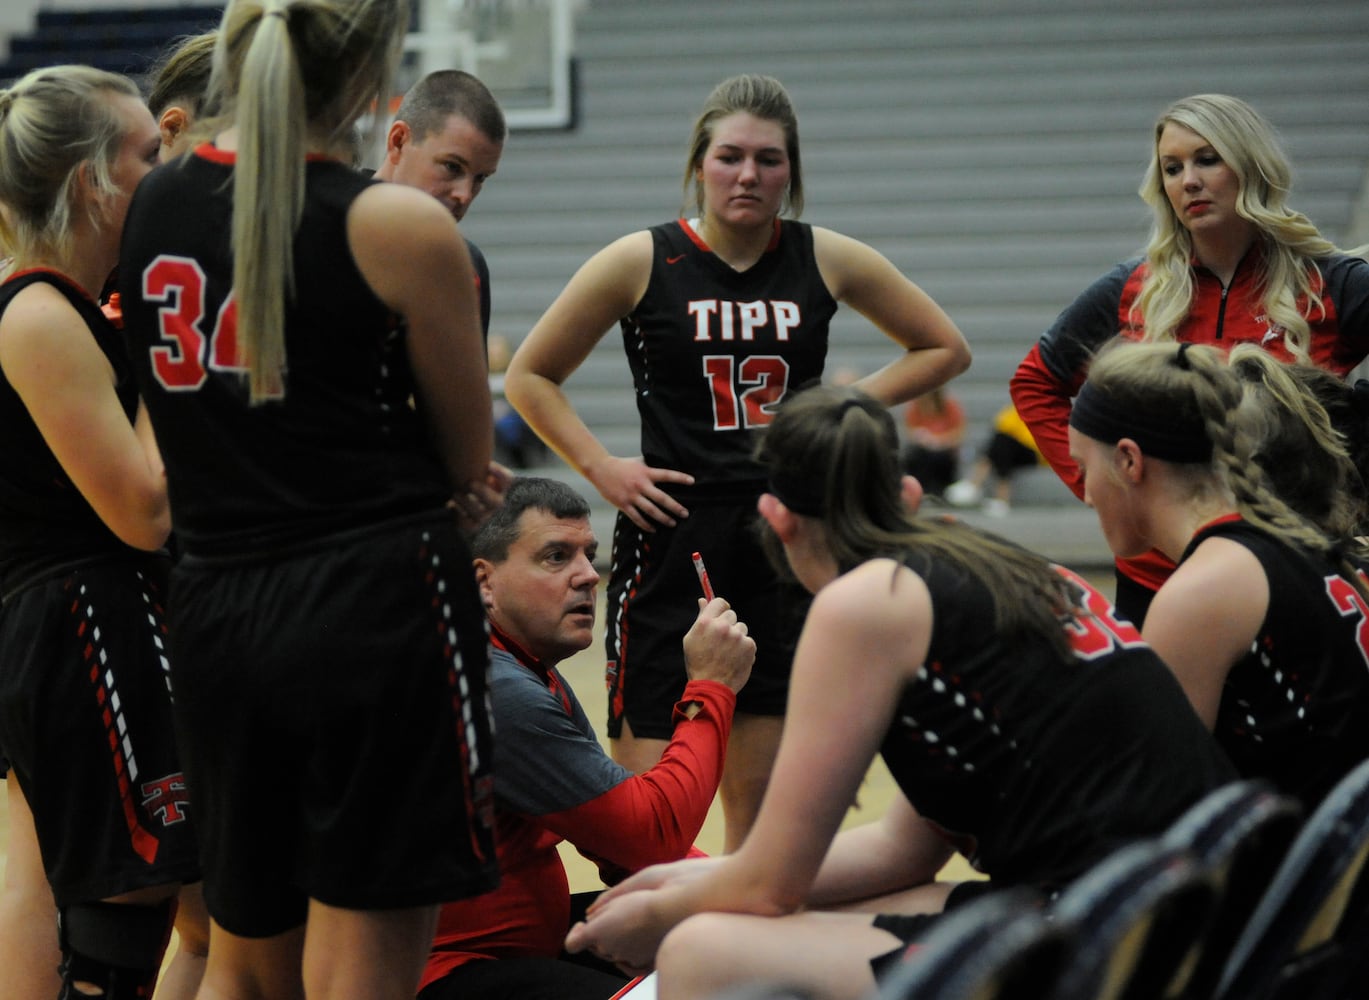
(308, 344)
(99, 824)
(1312, 435)
(1228, 262)
(1024, 724)
(1262, 621)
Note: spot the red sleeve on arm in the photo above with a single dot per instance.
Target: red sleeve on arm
(655, 816)
(1043, 403)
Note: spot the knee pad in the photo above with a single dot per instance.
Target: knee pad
(116, 948)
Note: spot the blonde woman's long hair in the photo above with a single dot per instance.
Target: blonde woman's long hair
(1290, 243)
(293, 74)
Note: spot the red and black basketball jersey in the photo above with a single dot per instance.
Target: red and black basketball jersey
(1294, 709)
(1035, 764)
(713, 351)
(45, 522)
(344, 446)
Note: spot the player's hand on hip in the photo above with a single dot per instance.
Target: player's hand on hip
(635, 489)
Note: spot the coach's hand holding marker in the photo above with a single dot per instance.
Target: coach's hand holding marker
(717, 646)
(703, 577)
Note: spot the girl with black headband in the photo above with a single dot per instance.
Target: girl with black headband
(1025, 725)
(1264, 620)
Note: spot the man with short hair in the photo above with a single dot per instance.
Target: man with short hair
(446, 139)
(534, 564)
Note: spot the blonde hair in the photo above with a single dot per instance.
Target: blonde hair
(291, 73)
(53, 122)
(1193, 385)
(763, 97)
(1290, 243)
(182, 75)
(1304, 454)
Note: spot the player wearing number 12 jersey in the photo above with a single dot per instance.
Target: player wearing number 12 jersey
(724, 315)
(741, 341)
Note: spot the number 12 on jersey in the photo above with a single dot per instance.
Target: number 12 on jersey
(745, 390)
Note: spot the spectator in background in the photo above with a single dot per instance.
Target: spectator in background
(515, 443)
(934, 431)
(1009, 450)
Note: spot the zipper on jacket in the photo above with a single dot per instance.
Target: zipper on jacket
(1221, 312)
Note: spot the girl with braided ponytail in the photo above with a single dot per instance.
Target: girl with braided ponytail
(328, 641)
(1313, 431)
(1024, 724)
(1262, 621)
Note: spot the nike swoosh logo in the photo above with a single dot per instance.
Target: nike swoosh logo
(675, 260)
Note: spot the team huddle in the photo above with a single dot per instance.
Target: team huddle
(279, 640)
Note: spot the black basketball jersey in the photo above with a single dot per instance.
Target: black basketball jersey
(482, 274)
(344, 446)
(1035, 765)
(713, 351)
(45, 522)
(1295, 708)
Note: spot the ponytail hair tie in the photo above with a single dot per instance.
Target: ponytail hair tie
(854, 404)
(1181, 358)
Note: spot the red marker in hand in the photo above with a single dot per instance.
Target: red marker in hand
(703, 576)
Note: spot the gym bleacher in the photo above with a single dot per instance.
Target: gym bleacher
(120, 39)
(991, 149)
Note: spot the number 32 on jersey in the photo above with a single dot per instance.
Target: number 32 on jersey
(1097, 630)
